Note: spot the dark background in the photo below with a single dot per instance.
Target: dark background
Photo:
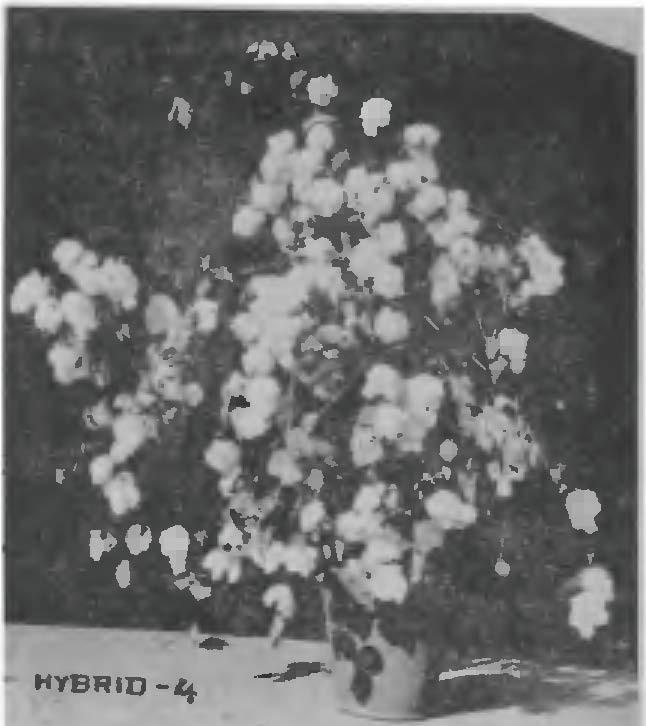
(537, 124)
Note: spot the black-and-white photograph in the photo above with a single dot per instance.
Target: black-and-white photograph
(321, 366)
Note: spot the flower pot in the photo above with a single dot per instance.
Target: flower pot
(374, 677)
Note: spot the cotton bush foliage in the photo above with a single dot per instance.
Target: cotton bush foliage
(285, 392)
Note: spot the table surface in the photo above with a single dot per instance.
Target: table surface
(227, 692)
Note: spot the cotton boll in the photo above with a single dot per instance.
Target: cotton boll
(424, 391)
(119, 283)
(282, 142)
(382, 381)
(247, 221)
(403, 175)
(421, 134)
(390, 238)
(388, 421)
(267, 197)
(388, 280)
(311, 516)
(445, 283)
(98, 415)
(320, 136)
(48, 316)
(587, 614)
(391, 326)
(369, 497)
(325, 197)
(282, 465)
(464, 253)
(205, 312)
(193, 394)
(300, 559)
(263, 393)
(364, 447)
(130, 431)
(78, 312)
(122, 493)
(282, 232)
(86, 274)
(448, 510)
(223, 565)
(63, 359)
(223, 455)
(101, 469)
(258, 361)
(161, 314)
(388, 583)
(30, 290)
(428, 201)
(67, 253)
(248, 423)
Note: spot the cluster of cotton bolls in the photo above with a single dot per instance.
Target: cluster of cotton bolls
(75, 314)
(502, 433)
(133, 418)
(404, 412)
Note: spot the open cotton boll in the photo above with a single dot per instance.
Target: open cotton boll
(63, 358)
(247, 221)
(445, 283)
(388, 583)
(223, 455)
(130, 431)
(311, 516)
(320, 136)
(161, 314)
(122, 493)
(364, 447)
(388, 280)
(282, 465)
(324, 196)
(48, 316)
(193, 394)
(119, 283)
(369, 497)
(223, 565)
(382, 381)
(464, 253)
(390, 238)
(391, 326)
(78, 312)
(67, 253)
(424, 391)
(421, 134)
(388, 421)
(282, 142)
(449, 511)
(267, 197)
(101, 469)
(428, 201)
(282, 232)
(205, 313)
(30, 290)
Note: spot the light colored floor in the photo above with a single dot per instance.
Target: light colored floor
(227, 692)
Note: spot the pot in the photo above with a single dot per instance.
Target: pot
(373, 677)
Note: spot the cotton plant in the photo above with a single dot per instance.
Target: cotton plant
(336, 381)
(294, 317)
